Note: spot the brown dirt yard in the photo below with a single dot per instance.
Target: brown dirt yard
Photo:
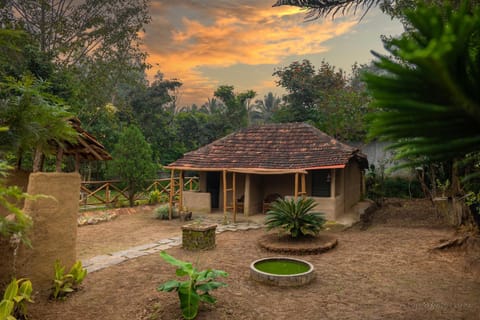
(384, 272)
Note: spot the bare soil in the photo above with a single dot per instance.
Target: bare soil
(387, 271)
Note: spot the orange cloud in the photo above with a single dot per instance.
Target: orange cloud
(219, 38)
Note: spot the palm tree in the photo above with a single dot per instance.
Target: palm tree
(295, 217)
(322, 8)
(264, 109)
(212, 106)
(428, 92)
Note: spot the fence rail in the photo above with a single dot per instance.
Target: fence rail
(98, 193)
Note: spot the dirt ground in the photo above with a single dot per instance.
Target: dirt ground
(384, 272)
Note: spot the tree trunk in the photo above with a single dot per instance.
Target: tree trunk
(38, 160)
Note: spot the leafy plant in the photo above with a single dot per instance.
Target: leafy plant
(9, 198)
(188, 291)
(63, 284)
(295, 217)
(162, 212)
(14, 303)
(154, 197)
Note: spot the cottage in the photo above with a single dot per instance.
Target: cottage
(248, 169)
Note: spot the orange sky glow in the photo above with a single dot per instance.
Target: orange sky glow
(205, 44)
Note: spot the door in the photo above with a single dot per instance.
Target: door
(213, 186)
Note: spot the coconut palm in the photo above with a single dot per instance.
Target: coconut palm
(295, 217)
(265, 108)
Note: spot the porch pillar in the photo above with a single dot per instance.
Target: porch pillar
(304, 186)
(246, 195)
(296, 186)
(180, 192)
(234, 196)
(332, 183)
(172, 193)
(225, 196)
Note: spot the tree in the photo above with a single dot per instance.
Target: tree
(395, 8)
(428, 97)
(94, 46)
(323, 8)
(74, 31)
(235, 113)
(132, 161)
(153, 110)
(328, 98)
(35, 119)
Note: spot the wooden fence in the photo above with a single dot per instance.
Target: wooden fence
(102, 193)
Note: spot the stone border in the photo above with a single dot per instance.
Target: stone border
(320, 244)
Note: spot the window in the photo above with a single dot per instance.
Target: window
(321, 180)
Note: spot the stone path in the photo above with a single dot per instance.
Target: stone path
(107, 260)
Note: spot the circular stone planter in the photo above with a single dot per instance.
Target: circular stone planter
(304, 273)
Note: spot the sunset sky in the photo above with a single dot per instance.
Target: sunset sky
(207, 43)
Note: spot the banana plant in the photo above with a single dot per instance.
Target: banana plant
(14, 303)
(197, 288)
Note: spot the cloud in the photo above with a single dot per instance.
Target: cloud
(186, 35)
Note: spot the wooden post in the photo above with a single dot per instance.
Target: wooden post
(172, 193)
(59, 159)
(234, 197)
(225, 196)
(107, 192)
(332, 183)
(246, 197)
(304, 186)
(296, 186)
(180, 194)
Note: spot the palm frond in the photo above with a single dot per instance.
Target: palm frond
(323, 8)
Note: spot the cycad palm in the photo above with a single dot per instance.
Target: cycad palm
(429, 94)
(295, 217)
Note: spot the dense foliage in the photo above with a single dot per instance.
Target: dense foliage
(429, 92)
(328, 98)
(18, 222)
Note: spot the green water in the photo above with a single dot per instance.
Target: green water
(283, 267)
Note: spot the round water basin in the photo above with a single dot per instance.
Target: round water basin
(282, 271)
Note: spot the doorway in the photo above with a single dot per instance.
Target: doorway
(213, 187)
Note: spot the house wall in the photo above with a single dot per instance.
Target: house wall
(54, 231)
(353, 184)
(197, 201)
(326, 206)
(202, 182)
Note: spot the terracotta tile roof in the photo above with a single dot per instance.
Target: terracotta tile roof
(290, 146)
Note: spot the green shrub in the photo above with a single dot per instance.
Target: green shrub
(162, 212)
(154, 197)
(188, 291)
(295, 217)
(14, 303)
(63, 284)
